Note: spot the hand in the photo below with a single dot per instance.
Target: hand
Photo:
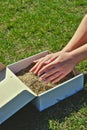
(40, 63)
(58, 68)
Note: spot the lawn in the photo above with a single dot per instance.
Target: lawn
(31, 26)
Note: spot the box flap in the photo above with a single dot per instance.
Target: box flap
(13, 94)
(10, 87)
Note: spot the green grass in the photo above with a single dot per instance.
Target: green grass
(31, 26)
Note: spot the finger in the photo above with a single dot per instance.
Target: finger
(38, 60)
(50, 60)
(49, 73)
(45, 68)
(39, 65)
(53, 77)
(35, 66)
(35, 61)
(57, 79)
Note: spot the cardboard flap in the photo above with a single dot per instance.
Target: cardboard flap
(10, 87)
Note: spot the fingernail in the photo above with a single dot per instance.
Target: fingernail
(40, 79)
(30, 70)
(45, 81)
(39, 74)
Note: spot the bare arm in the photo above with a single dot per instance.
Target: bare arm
(79, 54)
(54, 67)
(62, 65)
(79, 38)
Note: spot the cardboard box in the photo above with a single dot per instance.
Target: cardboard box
(14, 94)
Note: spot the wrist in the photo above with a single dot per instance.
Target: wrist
(80, 54)
(68, 48)
(75, 57)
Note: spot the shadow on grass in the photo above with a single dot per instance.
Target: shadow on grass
(29, 118)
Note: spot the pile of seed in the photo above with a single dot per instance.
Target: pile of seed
(32, 81)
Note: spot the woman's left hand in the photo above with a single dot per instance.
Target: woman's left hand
(58, 68)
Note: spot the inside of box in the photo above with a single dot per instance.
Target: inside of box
(32, 81)
(2, 75)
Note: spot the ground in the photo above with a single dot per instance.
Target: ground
(31, 26)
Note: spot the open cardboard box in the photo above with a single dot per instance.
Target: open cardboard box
(14, 94)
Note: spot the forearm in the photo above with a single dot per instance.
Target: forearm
(79, 38)
(79, 54)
